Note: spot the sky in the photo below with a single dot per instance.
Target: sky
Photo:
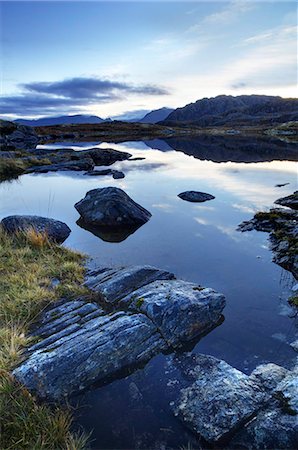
(121, 59)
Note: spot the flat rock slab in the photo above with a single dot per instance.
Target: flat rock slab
(116, 174)
(82, 342)
(111, 207)
(55, 229)
(77, 165)
(219, 400)
(195, 196)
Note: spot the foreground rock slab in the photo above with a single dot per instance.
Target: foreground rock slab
(195, 196)
(55, 229)
(111, 207)
(82, 342)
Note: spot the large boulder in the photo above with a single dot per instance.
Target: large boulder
(111, 207)
(55, 229)
(105, 156)
(82, 342)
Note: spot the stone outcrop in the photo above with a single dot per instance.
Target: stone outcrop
(282, 224)
(291, 201)
(15, 136)
(55, 229)
(195, 196)
(137, 313)
(222, 404)
(111, 207)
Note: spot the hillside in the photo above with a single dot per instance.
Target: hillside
(61, 120)
(226, 110)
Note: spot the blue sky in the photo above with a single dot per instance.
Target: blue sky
(110, 58)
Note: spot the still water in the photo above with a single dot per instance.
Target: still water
(199, 243)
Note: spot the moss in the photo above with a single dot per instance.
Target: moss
(293, 300)
(139, 302)
(27, 268)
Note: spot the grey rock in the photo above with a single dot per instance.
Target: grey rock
(82, 343)
(17, 136)
(288, 388)
(115, 284)
(271, 429)
(220, 399)
(111, 207)
(195, 196)
(291, 201)
(294, 345)
(180, 310)
(56, 230)
(78, 165)
(91, 352)
(268, 375)
(105, 156)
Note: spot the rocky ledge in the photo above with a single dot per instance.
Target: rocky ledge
(135, 313)
(223, 405)
(282, 224)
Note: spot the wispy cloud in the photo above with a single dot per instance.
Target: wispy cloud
(72, 94)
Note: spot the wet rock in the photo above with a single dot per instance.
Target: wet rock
(220, 399)
(271, 429)
(78, 165)
(82, 342)
(269, 375)
(116, 174)
(288, 388)
(294, 345)
(111, 207)
(105, 156)
(194, 196)
(115, 284)
(55, 230)
(291, 201)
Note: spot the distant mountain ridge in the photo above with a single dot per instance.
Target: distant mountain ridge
(228, 110)
(156, 115)
(44, 121)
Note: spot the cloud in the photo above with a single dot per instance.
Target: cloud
(72, 95)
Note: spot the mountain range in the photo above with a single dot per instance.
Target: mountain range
(226, 110)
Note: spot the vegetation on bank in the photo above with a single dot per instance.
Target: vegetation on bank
(13, 167)
(29, 264)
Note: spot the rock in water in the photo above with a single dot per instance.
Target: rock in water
(82, 342)
(111, 207)
(220, 399)
(56, 231)
(195, 196)
(291, 201)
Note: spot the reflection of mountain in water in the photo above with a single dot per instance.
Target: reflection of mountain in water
(232, 148)
(108, 234)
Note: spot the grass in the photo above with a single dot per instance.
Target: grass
(13, 167)
(28, 264)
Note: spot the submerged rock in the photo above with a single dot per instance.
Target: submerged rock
(111, 207)
(290, 201)
(195, 196)
(56, 231)
(83, 342)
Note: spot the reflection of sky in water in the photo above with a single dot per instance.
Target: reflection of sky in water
(198, 242)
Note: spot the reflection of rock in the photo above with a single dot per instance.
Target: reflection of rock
(108, 234)
(55, 229)
(195, 196)
(111, 207)
(82, 342)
